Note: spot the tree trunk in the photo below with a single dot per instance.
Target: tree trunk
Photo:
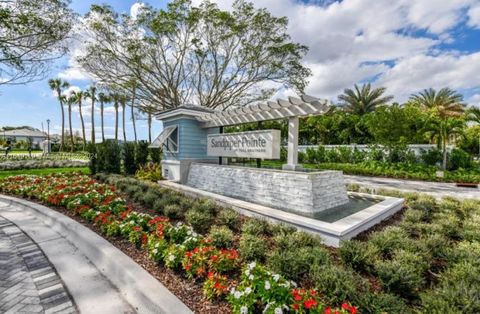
(101, 117)
(149, 119)
(444, 144)
(62, 142)
(133, 115)
(93, 118)
(70, 124)
(116, 120)
(83, 124)
(123, 121)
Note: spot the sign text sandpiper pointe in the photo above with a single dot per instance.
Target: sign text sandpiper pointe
(255, 144)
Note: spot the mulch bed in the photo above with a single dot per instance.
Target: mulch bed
(188, 291)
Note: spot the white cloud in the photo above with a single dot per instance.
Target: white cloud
(474, 100)
(474, 16)
(412, 74)
(135, 9)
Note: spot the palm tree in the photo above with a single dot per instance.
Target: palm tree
(444, 105)
(92, 94)
(103, 98)
(473, 114)
(70, 101)
(58, 86)
(364, 100)
(78, 97)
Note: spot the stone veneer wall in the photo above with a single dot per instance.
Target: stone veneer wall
(289, 190)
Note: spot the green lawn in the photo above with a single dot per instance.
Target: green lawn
(7, 173)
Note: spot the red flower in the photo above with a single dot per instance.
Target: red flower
(328, 310)
(309, 304)
(188, 266)
(210, 274)
(144, 239)
(295, 306)
(348, 307)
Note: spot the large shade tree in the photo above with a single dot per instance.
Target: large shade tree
(363, 100)
(32, 34)
(443, 106)
(185, 54)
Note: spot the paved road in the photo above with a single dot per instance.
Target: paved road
(436, 189)
(28, 282)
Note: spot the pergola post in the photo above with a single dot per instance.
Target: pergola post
(292, 159)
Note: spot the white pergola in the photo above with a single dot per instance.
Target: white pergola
(293, 109)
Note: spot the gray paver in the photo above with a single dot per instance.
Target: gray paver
(22, 261)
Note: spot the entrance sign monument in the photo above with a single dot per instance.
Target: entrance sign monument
(255, 144)
(195, 150)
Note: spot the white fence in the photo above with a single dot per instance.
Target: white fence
(417, 149)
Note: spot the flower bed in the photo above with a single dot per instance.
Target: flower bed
(423, 262)
(177, 246)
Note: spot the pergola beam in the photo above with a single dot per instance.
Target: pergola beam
(293, 107)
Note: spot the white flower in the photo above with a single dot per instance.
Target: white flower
(247, 272)
(248, 290)
(232, 291)
(278, 310)
(252, 265)
(244, 310)
(189, 232)
(237, 294)
(171, 258)
(267, 285)
(251, 277)
(276, 277)
(155, 251)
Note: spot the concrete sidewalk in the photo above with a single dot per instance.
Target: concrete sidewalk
(436, 189)
(99, 277)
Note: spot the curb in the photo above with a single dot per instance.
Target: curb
(140, 289)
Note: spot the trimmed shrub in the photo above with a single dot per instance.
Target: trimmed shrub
(279, 229)
(155, 155)
(255, 226)
(92, 163)
(450, 225)
(426, 204)
(295, 263)
(252, 248)
(173, 211)
(390, 239)
(297, 239)
(141, 153)
(403, 274)
(199, 220)
(337, 284)
(205, 205)
(221, 236)
(229, 218)
(374, 303)
(112, 156)
(457, 292)
(358, 255)
(129, 164)
(158, 206)
(150, 197)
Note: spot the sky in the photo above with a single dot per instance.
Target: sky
(404, 45)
